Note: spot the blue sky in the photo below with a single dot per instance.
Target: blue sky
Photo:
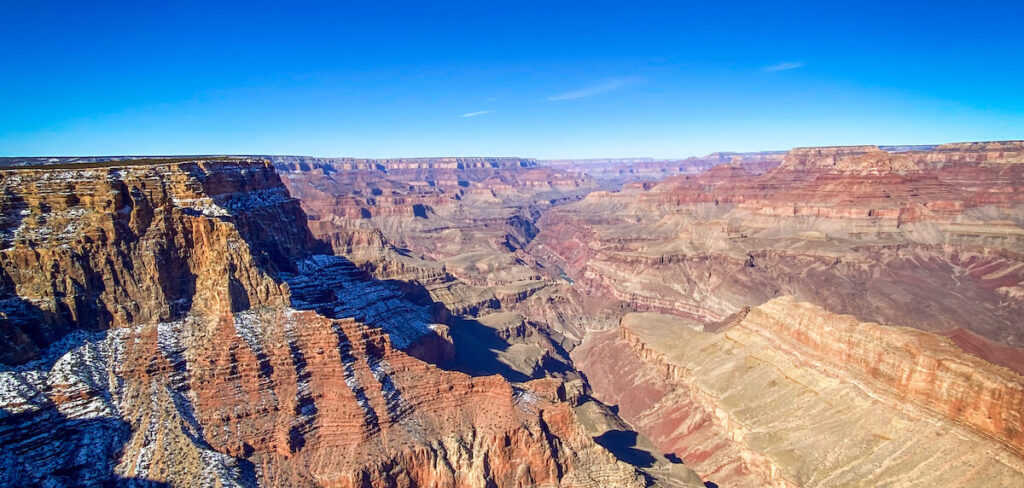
(546, 79)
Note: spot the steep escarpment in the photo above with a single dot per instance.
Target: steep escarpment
(285, 398)
(914, 367)
(471, 214)
(793, 395)
(193, 332)
(467, 321)
(930, 238)
(454, 232)
(95, 248)
(615, 172)
(755, 390)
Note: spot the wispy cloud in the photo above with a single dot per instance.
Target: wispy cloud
(594, 90)
(474, 114)
(782, 66)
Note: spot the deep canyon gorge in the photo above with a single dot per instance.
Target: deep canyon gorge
(818, 317)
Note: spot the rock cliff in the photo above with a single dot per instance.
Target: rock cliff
(470, 214)
(175, 322)
(932, 239)
(101, 247)
(836, 316)
(790, 394)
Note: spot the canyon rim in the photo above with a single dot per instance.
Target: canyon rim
(471, 244)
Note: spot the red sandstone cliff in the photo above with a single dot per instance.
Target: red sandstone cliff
(929, 238)
(112, 246)
(793, 395)
(182, 327)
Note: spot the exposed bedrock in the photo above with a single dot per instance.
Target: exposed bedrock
(793, 395)
(930, 239)
(108, 247)
(472, 215)
(176, 323)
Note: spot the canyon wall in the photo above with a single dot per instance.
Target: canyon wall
(469, 214)
(94, 248)
(754, 388)
(837, 316)
(175, 322)
(615, 172)
(790, 394)
(930, 239)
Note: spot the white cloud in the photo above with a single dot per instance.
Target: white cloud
(474, 114)
(594, 90)
(783, 66)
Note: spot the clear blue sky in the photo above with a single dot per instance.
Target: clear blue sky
(544, 79)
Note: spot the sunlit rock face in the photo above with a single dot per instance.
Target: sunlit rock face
(284, 398)
(929, 239)
(613, 172)
(761, 361)
(176, 322)
(95, 248)
(790, 394)
(835, 316)
(469, 214)
(751, 389)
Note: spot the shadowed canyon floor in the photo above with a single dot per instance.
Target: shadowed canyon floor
(843, 316)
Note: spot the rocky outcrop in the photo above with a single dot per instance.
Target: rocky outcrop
(615, 172)
(94, 248)
(190, 328)
(793, 395)
(930, 238)
(286, 398)
(911, 366)
(467, 213)
(194, 333)
(873, 159)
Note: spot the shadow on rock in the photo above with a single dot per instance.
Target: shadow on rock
(621, 443)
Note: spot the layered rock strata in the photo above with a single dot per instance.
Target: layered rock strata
(932, 239)
(614, 172)
(95, 248)
(471, 214)
(793, 395)
(180, 325)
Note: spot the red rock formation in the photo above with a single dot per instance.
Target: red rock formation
(792, 395)
(448, 210)
(927, 238)
(620, 171)
(193, 335)
(103, 247)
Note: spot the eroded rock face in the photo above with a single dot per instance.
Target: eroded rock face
(755, 390)
(789, 394)
(930, 239)
(454, 231)
(285, 398)
(470, 214)
(434, 349)
(108, 247)
(614, 172)
(793, 395)
(193, 332)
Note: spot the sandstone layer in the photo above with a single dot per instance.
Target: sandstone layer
(175, 322)
(793, 395)
(930, 239)
(181, 320)
(614, 172)
(470, 214)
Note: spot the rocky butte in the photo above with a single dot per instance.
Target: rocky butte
(819, 317)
